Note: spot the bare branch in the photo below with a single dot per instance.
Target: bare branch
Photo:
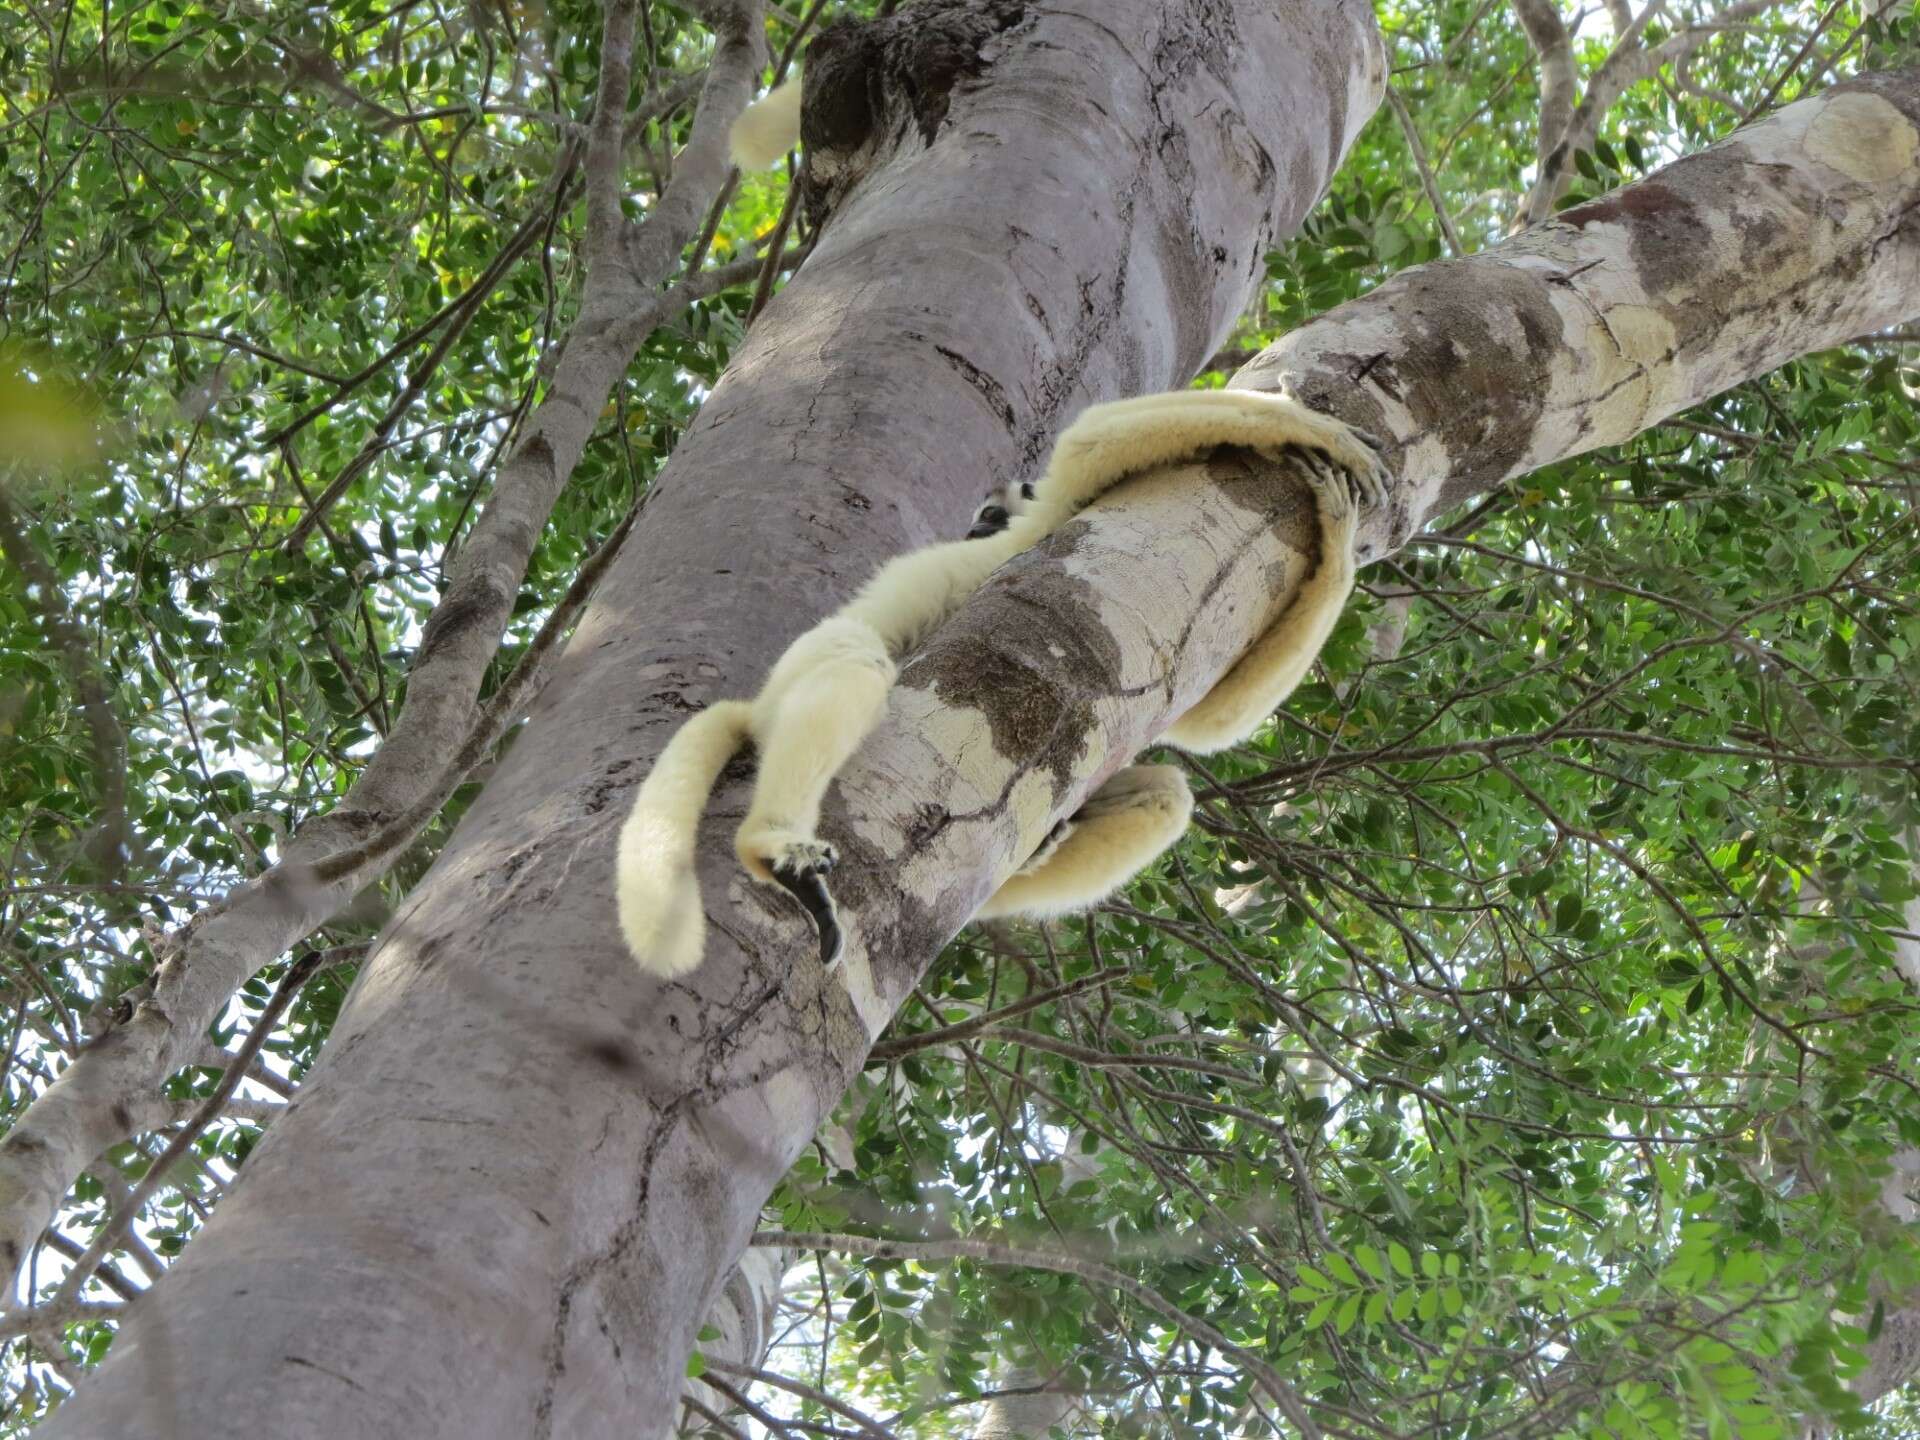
(606, 136)
(1427, 181)
(85, 1109)
(1547, 33)
(1626, 65)
(297, 975)
(868, 1425)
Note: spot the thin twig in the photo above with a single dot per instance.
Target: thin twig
(988, 1252)
(1427, 181)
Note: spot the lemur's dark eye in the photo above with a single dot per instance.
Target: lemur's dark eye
(1026, 489)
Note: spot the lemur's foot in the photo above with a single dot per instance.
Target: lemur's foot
(1343, 490)
(800, 867)
(1369, 486)
(1056, 837)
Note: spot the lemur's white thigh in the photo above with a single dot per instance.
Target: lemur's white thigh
(825, 696)
(1122, 828)
(1279, 660)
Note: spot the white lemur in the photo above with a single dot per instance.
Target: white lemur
(827, 693)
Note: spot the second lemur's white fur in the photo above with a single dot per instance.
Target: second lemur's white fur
(828, 692)
(1140, 811)
(767, 129)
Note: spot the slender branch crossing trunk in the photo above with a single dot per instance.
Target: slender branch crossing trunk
(504, 1201)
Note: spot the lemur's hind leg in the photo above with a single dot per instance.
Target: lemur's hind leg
(1263, 677)
(825, 696)
(1122, 828)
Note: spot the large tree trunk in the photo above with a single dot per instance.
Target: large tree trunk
(505, 1199)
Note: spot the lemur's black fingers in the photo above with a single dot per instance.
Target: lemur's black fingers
(809, 887)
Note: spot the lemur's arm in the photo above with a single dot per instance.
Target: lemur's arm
(1263, 677)
(829, 692)
(1109, 443)
(823, 697)
(1143, 809)
(911, 597)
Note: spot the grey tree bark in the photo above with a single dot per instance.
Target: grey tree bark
(1027, 1408)
(505, 1199)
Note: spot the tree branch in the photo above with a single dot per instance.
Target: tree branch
(606, 135)
(1626, 65)
(1547, 33)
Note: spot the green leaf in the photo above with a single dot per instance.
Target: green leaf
(1349, 1312)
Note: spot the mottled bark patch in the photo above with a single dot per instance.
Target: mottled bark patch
(1671, 239)
(1646, 201)
(1468, 366)
(1863, 137)
(1896, 87)
(1034, 683)
(1277, 489)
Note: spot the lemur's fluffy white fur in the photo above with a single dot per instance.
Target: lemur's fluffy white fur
(828, 692)
(767, 129)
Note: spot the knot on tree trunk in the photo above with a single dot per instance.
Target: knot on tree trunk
(870, 84)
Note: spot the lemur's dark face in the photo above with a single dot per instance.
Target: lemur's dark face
(994, 516)
(990, 519)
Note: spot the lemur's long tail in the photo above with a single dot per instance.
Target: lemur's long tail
(659, 895)
(767, 129)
